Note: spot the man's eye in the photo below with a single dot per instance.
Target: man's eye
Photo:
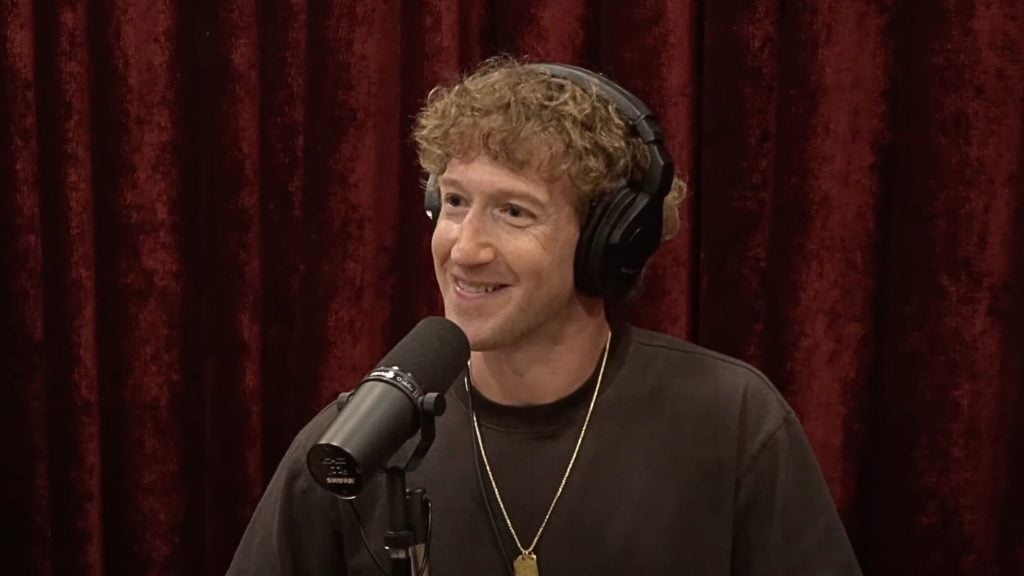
(454, 200)
(517, 212)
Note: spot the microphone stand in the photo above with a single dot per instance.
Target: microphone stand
(406, 536)
(408, 533)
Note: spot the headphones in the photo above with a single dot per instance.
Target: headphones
(623, 227)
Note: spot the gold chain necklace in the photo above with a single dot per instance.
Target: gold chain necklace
(526, 563)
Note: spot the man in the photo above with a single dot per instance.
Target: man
(572, 444)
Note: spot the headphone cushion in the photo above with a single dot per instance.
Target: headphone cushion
(432, 199)
(592, 256)
(621, 234)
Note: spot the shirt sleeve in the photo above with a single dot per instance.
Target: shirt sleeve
(296, 529)
(786, 523)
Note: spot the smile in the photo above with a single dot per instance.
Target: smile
(472, 288)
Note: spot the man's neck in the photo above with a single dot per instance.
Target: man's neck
(541, 371)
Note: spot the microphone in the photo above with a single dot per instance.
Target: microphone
(398, 397)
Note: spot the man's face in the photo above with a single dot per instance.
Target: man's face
(503, 254)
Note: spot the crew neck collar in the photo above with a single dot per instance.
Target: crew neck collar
(554, 414)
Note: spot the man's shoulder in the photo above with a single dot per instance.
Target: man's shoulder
(677, 362)
(310, 434)
(677, 352)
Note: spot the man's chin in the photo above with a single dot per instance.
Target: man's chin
(482, 341)
(481, 338)
(485, 334)
(475, 333)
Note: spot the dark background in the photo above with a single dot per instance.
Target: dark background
(211, 223)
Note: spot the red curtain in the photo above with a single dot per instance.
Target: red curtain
(211, 223)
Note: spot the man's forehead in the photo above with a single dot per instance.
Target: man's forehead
(536, 154)
(529, 180)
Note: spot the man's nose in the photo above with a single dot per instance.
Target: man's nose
(473, 241)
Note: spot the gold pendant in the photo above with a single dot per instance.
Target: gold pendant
(526, 564)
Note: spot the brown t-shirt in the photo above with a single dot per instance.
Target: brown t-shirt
(692, 464)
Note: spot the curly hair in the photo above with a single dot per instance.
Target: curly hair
(524, 117)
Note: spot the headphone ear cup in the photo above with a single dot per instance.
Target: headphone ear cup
(590, 269)
(432, 199)
(621, 233)
(633, 242)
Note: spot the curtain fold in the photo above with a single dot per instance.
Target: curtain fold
(953, 213)
(211, 224)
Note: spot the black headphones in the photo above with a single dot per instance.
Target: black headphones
(623, 227)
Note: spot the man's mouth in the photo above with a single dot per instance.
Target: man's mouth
(467, 287)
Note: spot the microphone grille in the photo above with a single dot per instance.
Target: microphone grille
(434, 352)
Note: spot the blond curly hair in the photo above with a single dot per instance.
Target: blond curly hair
(524, 117)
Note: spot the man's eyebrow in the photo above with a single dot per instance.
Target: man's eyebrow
(515, 193)
(449, 181)
(519, 194)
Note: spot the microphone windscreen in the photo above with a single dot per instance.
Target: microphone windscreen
(434, 353)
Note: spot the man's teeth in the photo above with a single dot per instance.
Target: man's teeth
(478, 288)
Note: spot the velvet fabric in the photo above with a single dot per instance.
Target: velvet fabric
(211, 224)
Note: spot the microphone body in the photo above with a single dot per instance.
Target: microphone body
(387, 407)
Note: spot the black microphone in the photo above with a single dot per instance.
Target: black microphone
(389, 406)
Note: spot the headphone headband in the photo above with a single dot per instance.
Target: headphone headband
(657, 179)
